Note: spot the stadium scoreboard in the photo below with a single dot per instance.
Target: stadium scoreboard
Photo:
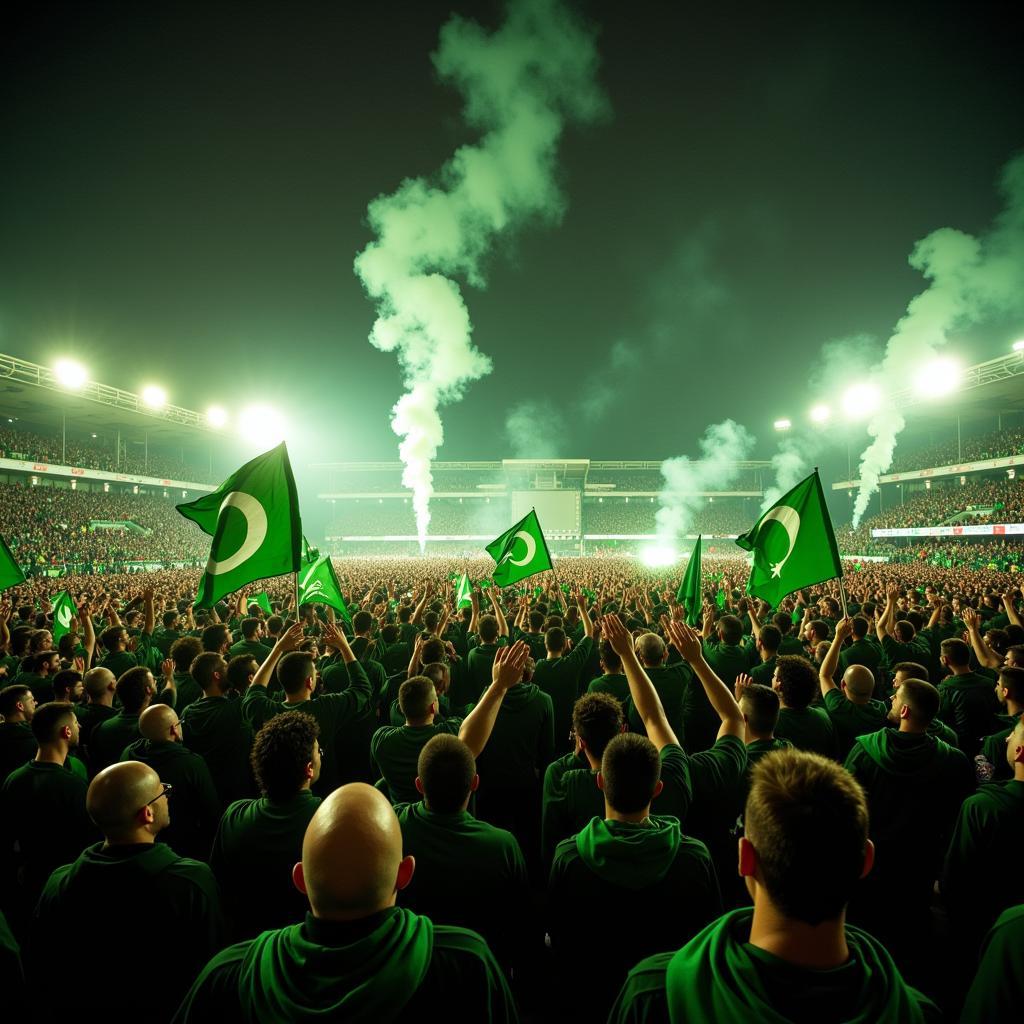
(557, 510)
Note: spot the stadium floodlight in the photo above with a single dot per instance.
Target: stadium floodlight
(70, 374)
(1018, 346)
(861, 401)
(262, 426)
(153, 396)
(216, 416)
(938, 378)
(820, 414)
(656, 556)
(782, 424)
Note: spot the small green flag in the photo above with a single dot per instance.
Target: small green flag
(318, 584)
(64, 611)
(720, 598)
(253, 518)
(263, 600)
(689, 592)
(519, 552)
(309, 553)
(462, 593)
(793, 543)
(10, 572)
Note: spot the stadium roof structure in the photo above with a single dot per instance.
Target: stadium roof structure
(32, 392)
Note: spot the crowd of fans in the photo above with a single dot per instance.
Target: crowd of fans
(95, 453)
(50, 526)
(996, 445)
(530, 806)
(638, 516)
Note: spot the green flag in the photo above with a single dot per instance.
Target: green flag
(64, 611)
(10, 572)
(309, 553)
(253, 518)
(793, 543)
(262, 599)
(519, 552)
(462, 592)
(318, 584)
(689, 592)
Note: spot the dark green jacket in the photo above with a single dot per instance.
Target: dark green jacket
(216, 730)
(559, 678)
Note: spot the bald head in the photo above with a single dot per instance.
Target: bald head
(159, 723)
(352, 862)
(97, 681)
(859, 681)
(121, 801)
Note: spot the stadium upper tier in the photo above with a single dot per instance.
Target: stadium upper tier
(100, 453)
(49, 526)
(995, 445)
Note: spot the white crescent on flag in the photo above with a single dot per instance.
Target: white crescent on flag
(64, 617)
(531, 550)
(790, 520)
(255, 531)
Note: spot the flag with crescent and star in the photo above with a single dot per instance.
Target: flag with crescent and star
(519, 552)
(64, 611)
(318, 583)
(253, 518)
(793, 544)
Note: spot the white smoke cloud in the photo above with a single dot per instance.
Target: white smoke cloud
(536, 429)
(790, 464)
(522, 84)
(972, 280)
(722, 445)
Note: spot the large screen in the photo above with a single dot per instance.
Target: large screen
(558, 511)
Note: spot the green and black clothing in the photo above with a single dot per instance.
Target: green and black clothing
(969, 705)
(720, 976)
(109, 739)
(614, 683)
(17, 745)
(808, 728)
(159, 911)
(395, 751)
(257, 844)
(216, 730)
(674, 685)
(468, 873)
(391, 966)
(633, 888)
(852, 720)
(559, 678)
(998, 989)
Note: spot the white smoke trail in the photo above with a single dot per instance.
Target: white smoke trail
(972, 280)
(722, 445)
(790, 463)
(521, 86)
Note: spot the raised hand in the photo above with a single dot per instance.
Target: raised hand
(507, 669)
(685, 640)
(618, 636)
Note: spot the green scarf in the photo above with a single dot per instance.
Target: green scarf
(633, 856)
(285, 976)
(714, 977)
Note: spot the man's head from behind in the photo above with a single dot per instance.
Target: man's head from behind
(488, 628)
(955, 654)
(914, 705)
(55, 724)
(352, 864)
(285, 755)
(98, 683)
(296, 672)
(446, 774)
(806, 843)
(760, 707)
(795, 681)
(417, 700)
(650, 649)
(858, 682)
(596, 719)
(630, 774)
(184, 651)
(135, 689)
(159, 723)
(128, 803)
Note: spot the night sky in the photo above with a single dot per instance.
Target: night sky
(183, 191)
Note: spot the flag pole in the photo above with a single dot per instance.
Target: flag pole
(842, 589)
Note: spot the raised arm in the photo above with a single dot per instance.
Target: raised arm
(755, 621)
(588, 623)
(1011, 612)
(288, 641)
(474, 622)
(641, 689)
(688, 644)
(149, 612)
(985, 655)
(826, 674)
(417, 657)
(492, 593)
(417, 615)
(506, 671)
(88, 631)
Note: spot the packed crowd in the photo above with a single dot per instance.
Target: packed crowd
(90, 453)
(639, 516)
(996, 445)
(49, 526)
(529, 807)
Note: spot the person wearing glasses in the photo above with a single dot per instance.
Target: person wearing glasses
(155, 914)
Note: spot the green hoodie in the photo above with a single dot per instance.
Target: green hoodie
(286, 977)
(395, 965)
(719, 976)
(629, 855)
